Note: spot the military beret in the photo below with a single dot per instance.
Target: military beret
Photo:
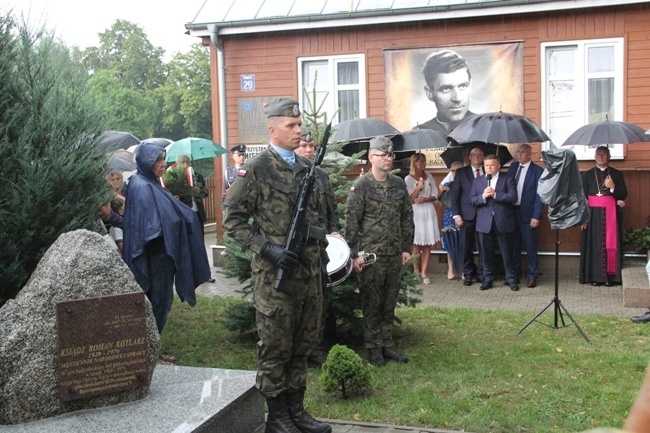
(283, 107)
(239, 149)
(382, 144)
(305, 134)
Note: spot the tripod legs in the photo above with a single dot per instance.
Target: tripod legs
(558, 307)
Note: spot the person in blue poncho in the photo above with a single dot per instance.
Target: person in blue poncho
(163, 241)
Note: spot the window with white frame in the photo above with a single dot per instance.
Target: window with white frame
(583, 83)
(338, 82)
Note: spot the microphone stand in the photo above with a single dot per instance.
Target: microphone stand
(557, 304)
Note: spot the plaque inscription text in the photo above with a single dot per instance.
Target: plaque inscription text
(101, 345)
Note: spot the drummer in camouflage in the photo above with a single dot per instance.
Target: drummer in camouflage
(287, 325)
(329, 220)
(379, 219)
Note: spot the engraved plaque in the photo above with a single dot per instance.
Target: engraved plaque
(252, 120)
(101, 345)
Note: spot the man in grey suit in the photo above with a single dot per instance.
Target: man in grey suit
(493, 195)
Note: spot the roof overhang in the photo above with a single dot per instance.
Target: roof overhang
(394, 16)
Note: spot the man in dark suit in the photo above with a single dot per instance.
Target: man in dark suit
(528, 211)
(465, 214)
(493, 195)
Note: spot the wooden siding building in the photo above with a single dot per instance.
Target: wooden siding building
(258, 54)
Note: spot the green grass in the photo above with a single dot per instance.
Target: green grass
(469, 369)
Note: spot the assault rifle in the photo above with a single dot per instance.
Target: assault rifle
(300, 232)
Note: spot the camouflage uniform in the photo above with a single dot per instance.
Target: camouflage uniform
(287, 325)
(379, 219)
(329, 220)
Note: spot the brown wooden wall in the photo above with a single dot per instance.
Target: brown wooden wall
(272, 57)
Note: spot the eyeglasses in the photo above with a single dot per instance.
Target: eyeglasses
(384, 156)
(475, 154)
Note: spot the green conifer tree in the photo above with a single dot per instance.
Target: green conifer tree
(52, 172)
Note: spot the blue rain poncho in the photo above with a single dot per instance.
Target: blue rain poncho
(151, 212)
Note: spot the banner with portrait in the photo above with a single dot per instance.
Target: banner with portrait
(496, 83)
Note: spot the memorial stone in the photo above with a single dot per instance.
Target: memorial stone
(78, 266)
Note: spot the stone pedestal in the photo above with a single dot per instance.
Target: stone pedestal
(181, 399)
(636, 287)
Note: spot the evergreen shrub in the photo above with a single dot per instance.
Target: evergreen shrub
(344, 373)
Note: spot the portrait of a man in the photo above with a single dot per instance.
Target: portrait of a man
(448, 85)
(438, 87)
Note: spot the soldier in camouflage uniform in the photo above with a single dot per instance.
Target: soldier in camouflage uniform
(267, 191)
(330, 222)
(379, 219)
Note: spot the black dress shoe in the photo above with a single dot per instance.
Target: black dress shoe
(596, 283)
(211, 280)
(514, 287)
(486, 285)
(644, 318)
(467, 282)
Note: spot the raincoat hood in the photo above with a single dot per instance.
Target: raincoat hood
(145, 157)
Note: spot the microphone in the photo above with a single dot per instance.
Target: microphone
(489, 178)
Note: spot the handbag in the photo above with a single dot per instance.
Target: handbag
(445, 198)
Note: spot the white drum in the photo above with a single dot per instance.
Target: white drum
(340, 264)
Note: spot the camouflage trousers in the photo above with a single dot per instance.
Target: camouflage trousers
(379, 285)
(288, 328)
(327, 294)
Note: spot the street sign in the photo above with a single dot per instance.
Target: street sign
(248, 83)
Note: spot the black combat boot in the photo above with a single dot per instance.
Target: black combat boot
(393, 355)
(300, 417)
(278, 420)
(376, 357)
(316, 358)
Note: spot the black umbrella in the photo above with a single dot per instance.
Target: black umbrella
(113, 140)
(158, 141)
(498, 127)
(361, 147)
(122, 160)
(361, 130)
(358, 132)
(607, 132)
(451, 240)
(455, 152)
(421, 139)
